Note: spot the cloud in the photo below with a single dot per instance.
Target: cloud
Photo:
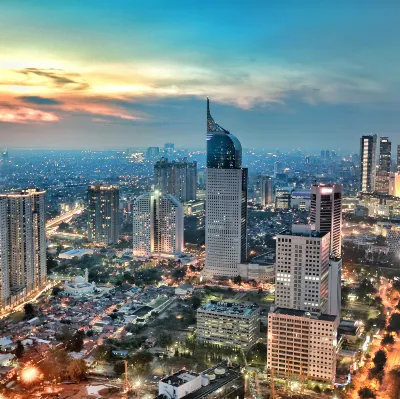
(25, 115)
(56, 77)
(40, 100)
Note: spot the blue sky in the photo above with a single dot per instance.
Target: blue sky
(280, 74)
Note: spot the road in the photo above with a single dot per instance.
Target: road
(64, 217)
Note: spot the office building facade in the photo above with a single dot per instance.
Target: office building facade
(226, 203)
(326, 213)
(178, 178)
(302, 344)
(302, 267)
(232, 324)
(385, 163)
(368, 163)
(267, 190)
(157, 225)
(283, 196)
(103, 206)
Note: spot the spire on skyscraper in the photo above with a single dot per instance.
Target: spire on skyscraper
(213, 126)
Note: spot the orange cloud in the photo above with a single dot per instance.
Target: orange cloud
(26, 115)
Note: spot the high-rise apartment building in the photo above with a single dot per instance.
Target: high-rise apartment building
(368, 163)
(153, 152)
(385, 163)
(4, 271)
(302, 344)
(178, 178)
(103, 206)
(157, 225)
(226, 203)
(302, 266)
(283, 196)
(267, 190)
(326, 213)
(23, 243)
(228, 324)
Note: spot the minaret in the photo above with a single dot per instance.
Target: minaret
(226, 204)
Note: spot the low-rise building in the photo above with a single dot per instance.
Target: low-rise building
(228, 323)
(302, 344)
(223, 378)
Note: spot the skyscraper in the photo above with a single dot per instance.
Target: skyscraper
(398, 158)
(4, 269)
(326, 213)
(103, 205)
(226, 203)
(157, 225)
(267, 187)
(25, 242)
(169, 148)
(385, 163)
(368, 163)
(178, 178)
(302, 264)
(326, 216)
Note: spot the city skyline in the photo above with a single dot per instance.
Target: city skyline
(128, 75)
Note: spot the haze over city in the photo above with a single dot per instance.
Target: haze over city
(78, 75)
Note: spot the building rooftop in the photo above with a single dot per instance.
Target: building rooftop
(304, 313)
(179, 378)
(232, 308)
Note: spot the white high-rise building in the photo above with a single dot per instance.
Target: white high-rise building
(302, 266)
(157, 225)
(368, 163)
(26, 241)
(226, 203)
(326, 213)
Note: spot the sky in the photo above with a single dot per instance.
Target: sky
(280, 74)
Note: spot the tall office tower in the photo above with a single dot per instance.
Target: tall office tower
(103, 205)
(26, 240)
(157, 225)
(277, 168)
(302, 344)
(267, 187)
(385, 163)
(398, 158)
(153, 152)
(302, 266)
(178, 178)
(169, 148)
(326, 216)
(368, 163)
(326, 213)
(226, 203)
(4, 270)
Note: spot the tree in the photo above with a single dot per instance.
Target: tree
(19, 350)
(54, 365)
(51, 263)
(119, 368)
(178, 274)
(237, 280)
(387, 340)
(394, 322)
(366, 393)
(141, 361)
(165, 340)
(77, 370)
(55, 291)
(29, 310)
(317, 389)
(196, 302)
(63, 226)
(76, 342)
(379, 360)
